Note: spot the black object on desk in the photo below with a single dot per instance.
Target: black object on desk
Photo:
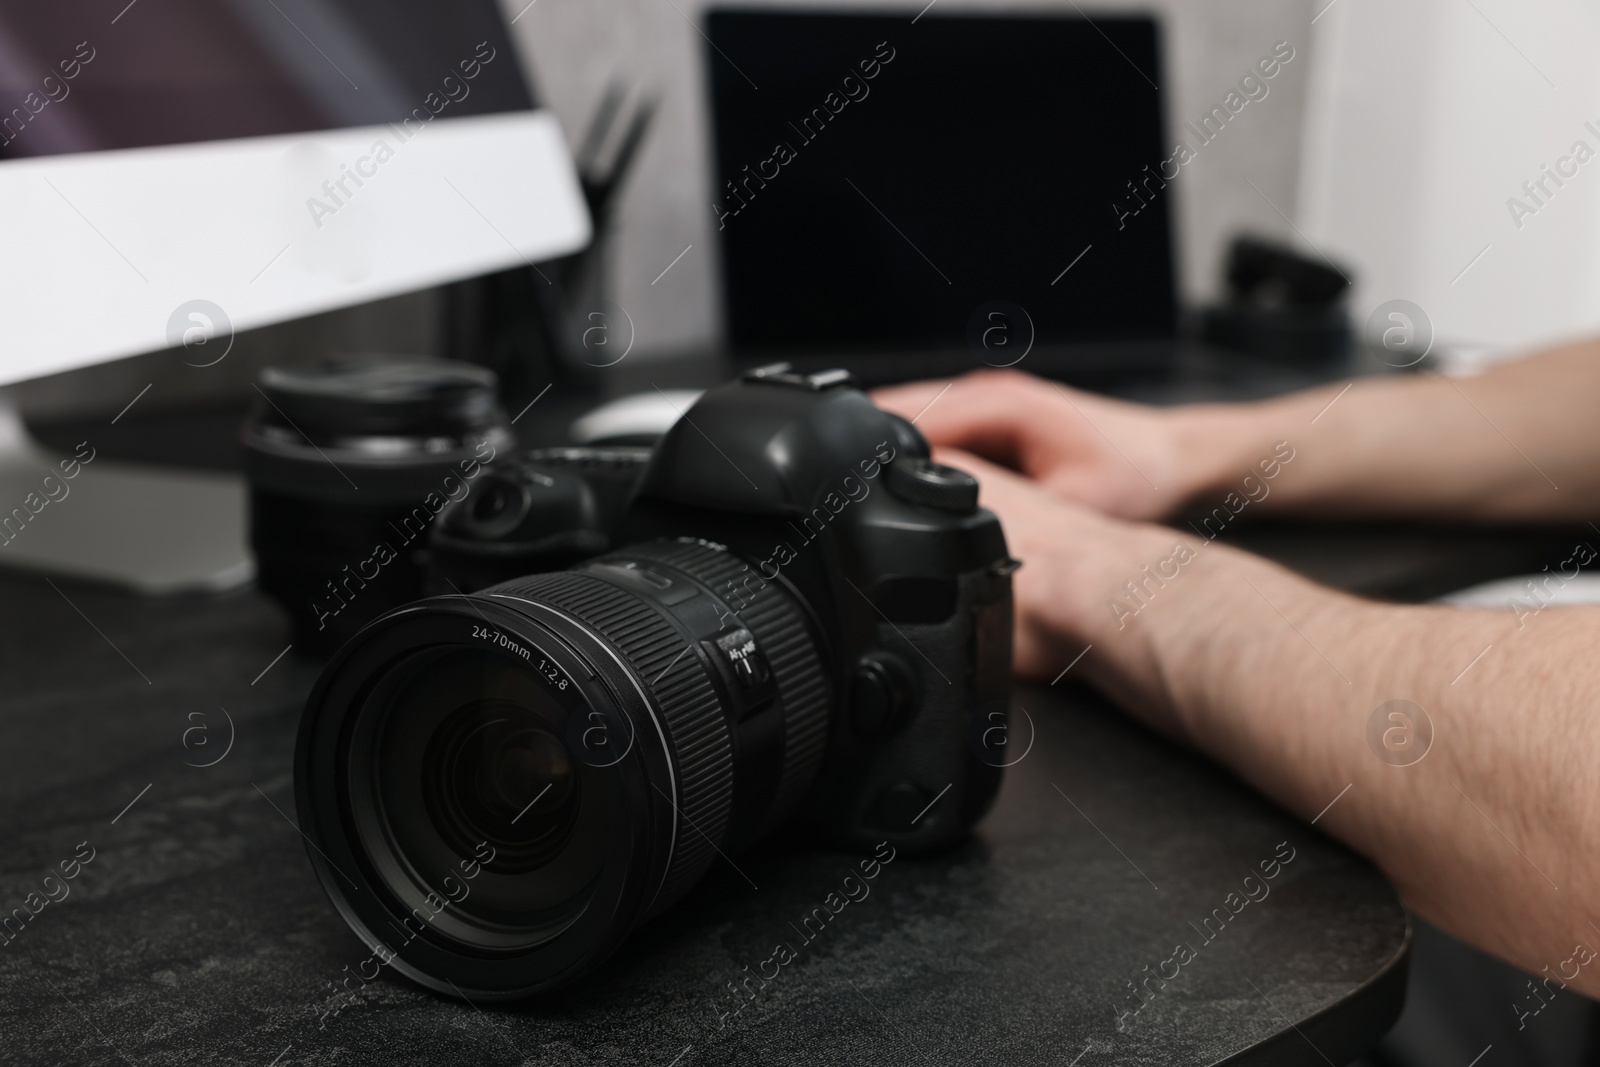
(197, 934)
(349, 461)
(1281, 305)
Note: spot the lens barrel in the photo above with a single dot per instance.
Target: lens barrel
(349, 461)
(497, 788)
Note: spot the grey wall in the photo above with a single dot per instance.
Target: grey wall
(575, 46)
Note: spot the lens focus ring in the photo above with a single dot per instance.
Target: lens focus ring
(701, 749)
(780, 628)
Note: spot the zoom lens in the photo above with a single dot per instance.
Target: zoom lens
(495, 764)
(497, 788)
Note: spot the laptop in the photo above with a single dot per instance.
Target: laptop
(914, 195)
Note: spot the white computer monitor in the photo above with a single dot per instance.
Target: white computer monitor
(180, 170)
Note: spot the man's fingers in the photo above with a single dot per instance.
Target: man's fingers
(909, 400)
(993, 415)
(987, 472)
(1030, 511)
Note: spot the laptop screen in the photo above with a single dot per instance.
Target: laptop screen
(888, 184)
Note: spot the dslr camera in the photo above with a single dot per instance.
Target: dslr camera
(807, 623)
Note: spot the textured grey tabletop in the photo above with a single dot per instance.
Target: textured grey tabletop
(197, 933)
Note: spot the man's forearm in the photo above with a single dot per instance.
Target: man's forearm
(1518, 443)
(1494, 834)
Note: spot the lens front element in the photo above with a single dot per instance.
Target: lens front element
(465, 790)
(491, 766)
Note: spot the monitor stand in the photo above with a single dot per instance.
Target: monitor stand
(152, 530)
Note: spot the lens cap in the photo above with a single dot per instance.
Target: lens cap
(373, 396)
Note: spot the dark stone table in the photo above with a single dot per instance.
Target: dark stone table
(197, 933)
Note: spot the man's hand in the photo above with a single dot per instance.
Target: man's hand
(1494, 836)
(1518, 443)
(1123, 459)
(1074, 560)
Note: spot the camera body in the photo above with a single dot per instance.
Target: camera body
(908, 580)
(806, 483)
(808, 622)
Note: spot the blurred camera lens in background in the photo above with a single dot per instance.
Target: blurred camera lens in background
(349, 462)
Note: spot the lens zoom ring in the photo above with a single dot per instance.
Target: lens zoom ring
(702, 753)
(780, 628)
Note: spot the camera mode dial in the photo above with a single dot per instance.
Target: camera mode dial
(922, 481)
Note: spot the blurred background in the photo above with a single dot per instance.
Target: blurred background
(1392, 143)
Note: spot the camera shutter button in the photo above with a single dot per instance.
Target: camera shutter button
(922, 481)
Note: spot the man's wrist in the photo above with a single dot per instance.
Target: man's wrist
(1214, 447)
(1206, 627)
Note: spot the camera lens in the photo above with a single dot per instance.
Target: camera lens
(497, 788)
(462, 789)
(491, 766)
(349, 463)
